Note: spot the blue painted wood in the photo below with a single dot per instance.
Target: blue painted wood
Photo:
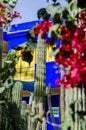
(51, 74)
(50, 126)
(18, 34)
(23, 26)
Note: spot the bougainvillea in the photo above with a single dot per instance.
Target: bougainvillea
(43, 28)
(6, 13)
(72, 53)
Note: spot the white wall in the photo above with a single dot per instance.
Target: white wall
(28, 9)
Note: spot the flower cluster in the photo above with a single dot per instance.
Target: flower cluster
(72, 53)
(6, 14)
(72, 50)
(43, 28)
(82, 16)
(3, 13)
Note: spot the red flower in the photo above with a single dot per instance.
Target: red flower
(82, 16)
(79, 32)
(66, 33)
(16, 15)
(67, 48)
(43, 28)
(72, 54)
(2, 6)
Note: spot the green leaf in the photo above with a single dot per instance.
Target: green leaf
(70, 24)
(53, 9)
(73, 6)
(65, 13)
(53, 30)
(1, 102)
(57, 18)
(5, 1)
(54, 52)
(22, 46)
(8, 82)
(31, 46)
(37, 117)
(2, 89)
(8, 62)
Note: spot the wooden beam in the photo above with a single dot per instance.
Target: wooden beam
(5, 48)
(55, 91)
(25, 93)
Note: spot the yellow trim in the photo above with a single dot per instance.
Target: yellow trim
(25, 72)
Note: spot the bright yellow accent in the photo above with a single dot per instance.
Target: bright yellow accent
(25, 72)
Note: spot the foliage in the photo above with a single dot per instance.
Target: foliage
(12, 120)
(6, 11)
(32, 40)
(27, 56)
(6, 75)
(43, 28)
(28, 47)
(26, 51)
(81, 4)
(69, 27)
(42, 14)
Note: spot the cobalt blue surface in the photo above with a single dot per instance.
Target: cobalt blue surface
(27, 85)
(21, 37)
(58, 42)
(18, 35)
(25, 99)
(18, 38)
(51, 75)
(23, 26)
(50, 126)
(55, 100)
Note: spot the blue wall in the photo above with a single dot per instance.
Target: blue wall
(17, 34)
(51, 74)
(18, 38)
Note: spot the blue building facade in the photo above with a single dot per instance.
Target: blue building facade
(17, 36)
